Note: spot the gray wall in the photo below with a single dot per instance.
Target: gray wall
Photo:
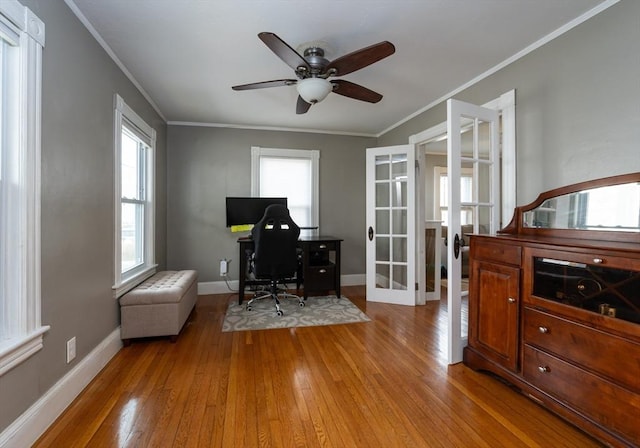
(208, 164)
(79, 82)
(577, 108)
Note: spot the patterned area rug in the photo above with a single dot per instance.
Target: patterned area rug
(328, 310)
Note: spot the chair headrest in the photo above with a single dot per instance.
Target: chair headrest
(276, 217)
(276, 211)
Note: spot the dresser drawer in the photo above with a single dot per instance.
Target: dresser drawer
(595, 350)
(497, 252)
(614, 407)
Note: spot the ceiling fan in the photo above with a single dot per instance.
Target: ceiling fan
(313, 71)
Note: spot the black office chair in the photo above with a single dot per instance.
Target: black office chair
(275, 256)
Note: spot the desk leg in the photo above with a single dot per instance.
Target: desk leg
(241, 273)
(338, 269)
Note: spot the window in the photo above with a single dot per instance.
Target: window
(134, 224)
(21, 42)
(290, 173)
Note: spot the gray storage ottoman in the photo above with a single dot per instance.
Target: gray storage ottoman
(159, 306)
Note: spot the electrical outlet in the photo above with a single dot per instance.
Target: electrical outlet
(71, 349)
(224, 266)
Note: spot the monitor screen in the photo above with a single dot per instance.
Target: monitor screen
(243, 211)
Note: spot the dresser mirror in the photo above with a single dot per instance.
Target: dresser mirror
(584, 210)
(613, 208)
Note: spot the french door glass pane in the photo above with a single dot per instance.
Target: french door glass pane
(382, 276)
(399, 222)
(484, 183)
(399, 277)
(132, 235)
(383, 248)
(484, 219)
(382, 222)
(399, 166)
(400, 249)
(484, 140)
(399, 196)
(382, 195)
(383, 167)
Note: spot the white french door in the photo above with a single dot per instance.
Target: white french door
(472, 145)
(390, 232)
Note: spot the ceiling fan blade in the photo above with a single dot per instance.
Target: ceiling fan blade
(290, 56)
(265, 84)
(355, 91)
(359, 59)
(302, 106)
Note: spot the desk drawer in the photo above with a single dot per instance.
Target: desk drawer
(613, 407)
(595, 350)
(317, 246)
(320, 278)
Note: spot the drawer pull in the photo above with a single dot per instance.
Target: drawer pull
(323, 246)
(511, 300)
(543, 329)
(544, 369)
(598, 260)
(322, 271)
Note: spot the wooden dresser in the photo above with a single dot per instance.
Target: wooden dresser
(554, 308)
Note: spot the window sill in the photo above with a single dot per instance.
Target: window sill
(128, 283)
(17, 350)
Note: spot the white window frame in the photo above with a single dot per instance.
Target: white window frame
(309, 154)
(125, 116)
(20, 260)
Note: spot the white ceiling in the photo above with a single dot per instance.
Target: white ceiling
(186, 54)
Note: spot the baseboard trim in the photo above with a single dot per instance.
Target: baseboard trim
(221, 287)
(27, 428)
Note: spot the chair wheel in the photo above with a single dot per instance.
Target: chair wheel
(248, 308)
(279, 313)
(301, 304)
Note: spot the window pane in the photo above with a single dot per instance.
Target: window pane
(132, 236)
(130, 160)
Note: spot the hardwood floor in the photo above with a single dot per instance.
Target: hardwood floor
(384, 383)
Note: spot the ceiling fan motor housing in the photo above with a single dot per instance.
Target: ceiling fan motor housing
(316, 60)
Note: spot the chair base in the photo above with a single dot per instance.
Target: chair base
(276, 296)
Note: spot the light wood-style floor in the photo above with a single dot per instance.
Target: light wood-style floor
(384, 383)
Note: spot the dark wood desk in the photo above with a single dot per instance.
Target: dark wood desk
(319, 271)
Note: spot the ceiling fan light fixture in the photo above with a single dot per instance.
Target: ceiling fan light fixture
(314, 90)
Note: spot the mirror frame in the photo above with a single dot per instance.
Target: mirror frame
(515, 227)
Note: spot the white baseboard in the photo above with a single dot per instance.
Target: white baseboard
(217, 287)
(27, 428)
(353, 280)
(221, 287)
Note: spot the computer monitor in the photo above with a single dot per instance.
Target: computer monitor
(246, 211)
